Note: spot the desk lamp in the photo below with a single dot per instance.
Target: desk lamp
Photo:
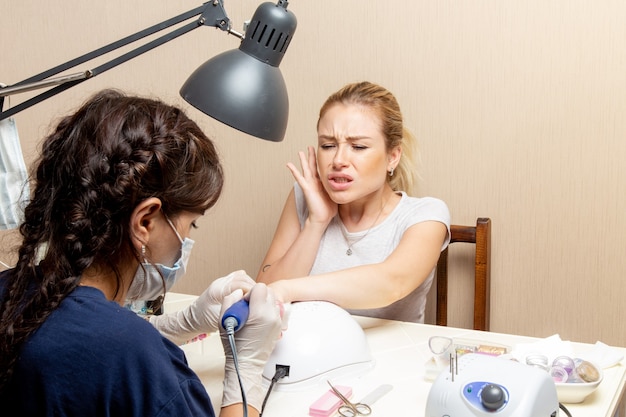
(242, 88)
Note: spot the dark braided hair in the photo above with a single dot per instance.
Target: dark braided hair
(94, 169)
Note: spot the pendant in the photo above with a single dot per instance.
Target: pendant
(349, 252)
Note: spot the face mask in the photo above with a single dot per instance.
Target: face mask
(148, 285)
(14, 189)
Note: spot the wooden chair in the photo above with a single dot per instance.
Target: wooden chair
(481, 236)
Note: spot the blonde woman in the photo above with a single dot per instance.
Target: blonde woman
(350, 232)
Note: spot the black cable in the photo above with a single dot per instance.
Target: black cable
(565, 410)
(281, 372)
(231, 339)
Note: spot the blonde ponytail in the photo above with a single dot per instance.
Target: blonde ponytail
(405, 174)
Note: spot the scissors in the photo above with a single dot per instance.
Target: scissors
(349, 409)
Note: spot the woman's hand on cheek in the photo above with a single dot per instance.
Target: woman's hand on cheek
(321, 208)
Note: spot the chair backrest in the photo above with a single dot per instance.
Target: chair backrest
(481, 236)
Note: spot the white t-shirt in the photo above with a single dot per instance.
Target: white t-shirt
(375, 245)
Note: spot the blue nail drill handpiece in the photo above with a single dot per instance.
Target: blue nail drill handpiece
(236, 316)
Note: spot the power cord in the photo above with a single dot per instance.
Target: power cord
(281, 372)
(230, 331)
(234, 319)
(565, 410)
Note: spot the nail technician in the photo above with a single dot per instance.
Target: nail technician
(117, 189)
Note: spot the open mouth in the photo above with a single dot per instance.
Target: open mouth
(339, 182)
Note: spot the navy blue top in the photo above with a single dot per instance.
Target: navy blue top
(92, 357)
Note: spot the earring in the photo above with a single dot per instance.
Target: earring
(391, 172)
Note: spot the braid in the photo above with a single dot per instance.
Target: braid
(94, 168)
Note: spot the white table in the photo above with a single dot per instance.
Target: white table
(400, 351)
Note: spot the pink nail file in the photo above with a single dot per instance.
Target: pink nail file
(328, 403)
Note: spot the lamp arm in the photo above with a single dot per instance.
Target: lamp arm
(211, 13)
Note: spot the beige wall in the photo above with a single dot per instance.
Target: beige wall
(519, 107)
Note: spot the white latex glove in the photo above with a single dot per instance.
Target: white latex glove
(254, 342)
(203, 314)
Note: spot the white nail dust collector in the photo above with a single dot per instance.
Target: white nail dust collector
(482, 385)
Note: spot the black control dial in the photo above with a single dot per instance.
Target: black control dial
(492, 396)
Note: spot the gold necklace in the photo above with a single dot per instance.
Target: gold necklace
(343, 229)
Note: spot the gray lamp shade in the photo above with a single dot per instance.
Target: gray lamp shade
(244, 88)
(242, 92)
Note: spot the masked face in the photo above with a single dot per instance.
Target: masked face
(148, 284)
